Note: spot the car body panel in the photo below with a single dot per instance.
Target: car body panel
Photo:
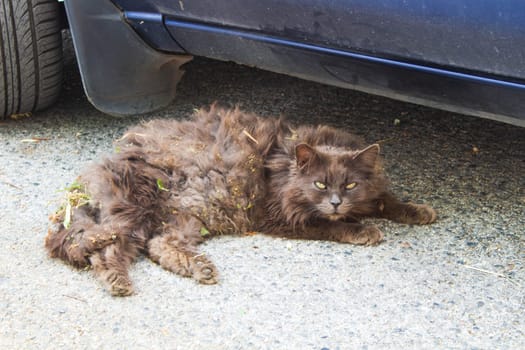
(460, 55)
(435, 87)
(487, 36)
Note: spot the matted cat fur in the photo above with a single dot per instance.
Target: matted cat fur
(171, 184)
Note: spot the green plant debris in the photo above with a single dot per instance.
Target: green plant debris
(35, 139)
(18, 116)
(75, 186)
(160, 185)
(293, 135)
(240, 206)
(75, 197)
(67, 215)
(245, 132)
(204, 231)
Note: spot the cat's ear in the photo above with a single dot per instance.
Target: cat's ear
(368, 155)
(304, 154)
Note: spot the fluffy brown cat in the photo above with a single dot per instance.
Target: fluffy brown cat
(171, 184)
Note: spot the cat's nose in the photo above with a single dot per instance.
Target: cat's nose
(335, 200)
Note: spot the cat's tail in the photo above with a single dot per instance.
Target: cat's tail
(74, 241)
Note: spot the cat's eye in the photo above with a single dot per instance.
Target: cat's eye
(320, 185)
(351, 185)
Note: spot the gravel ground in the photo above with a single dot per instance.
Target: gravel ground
(458, 283)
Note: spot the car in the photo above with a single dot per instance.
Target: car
(464, 56)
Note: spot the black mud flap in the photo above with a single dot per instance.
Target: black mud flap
(121, 74)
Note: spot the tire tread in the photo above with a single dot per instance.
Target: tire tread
(30, 55)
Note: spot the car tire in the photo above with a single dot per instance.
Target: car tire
(30, 55)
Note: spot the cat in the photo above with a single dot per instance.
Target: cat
(171, 184)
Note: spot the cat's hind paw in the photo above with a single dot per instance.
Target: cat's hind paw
(203, 270)
(121, 287)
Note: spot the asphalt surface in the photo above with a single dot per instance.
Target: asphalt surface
(456, 284)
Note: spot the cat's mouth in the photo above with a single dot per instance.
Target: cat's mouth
(335, 216)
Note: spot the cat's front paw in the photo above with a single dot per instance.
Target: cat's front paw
(421, 214)
(367, 235)
(203, 270)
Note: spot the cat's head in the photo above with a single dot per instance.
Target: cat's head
(332, 183)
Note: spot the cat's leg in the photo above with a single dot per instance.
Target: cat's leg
(344, 232)
(79, 241)
(111, 264)
(176, 251)
(407, 213)
(355, 233)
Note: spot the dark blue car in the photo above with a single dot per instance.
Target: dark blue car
(460, 55)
